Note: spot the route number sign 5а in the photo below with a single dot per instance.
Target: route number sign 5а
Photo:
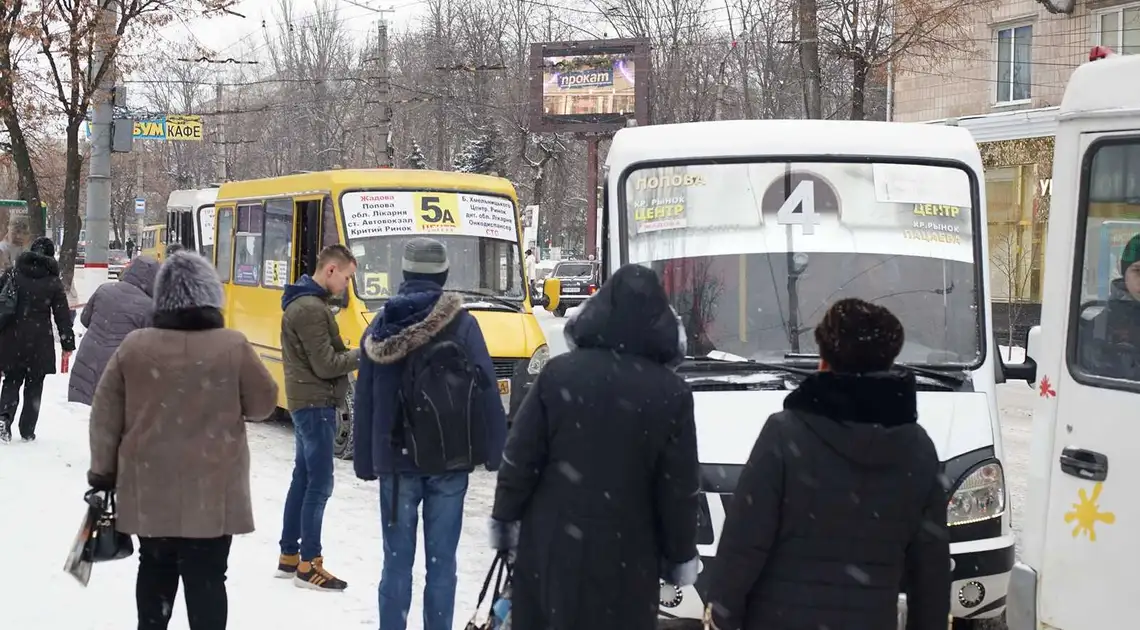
(436, 212)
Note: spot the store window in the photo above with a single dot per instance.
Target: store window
(1016, 234)
(1119, 29)
(1014, 52)
(1105, 336)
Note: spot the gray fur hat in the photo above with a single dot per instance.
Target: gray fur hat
(425, 255)
(186, 280)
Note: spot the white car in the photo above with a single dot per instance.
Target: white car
(116, 263)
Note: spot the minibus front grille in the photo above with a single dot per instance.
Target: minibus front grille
(504, 368)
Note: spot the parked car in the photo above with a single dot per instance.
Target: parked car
(580, 279)
(116, 263)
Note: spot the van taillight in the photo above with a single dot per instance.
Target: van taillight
(591, 289)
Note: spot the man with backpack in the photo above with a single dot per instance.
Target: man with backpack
(427, 413)
(317, 365)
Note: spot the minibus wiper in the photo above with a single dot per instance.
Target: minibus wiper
(491, 298)
(941, 376)
(712, 363)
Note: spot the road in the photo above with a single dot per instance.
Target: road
(1015, 405)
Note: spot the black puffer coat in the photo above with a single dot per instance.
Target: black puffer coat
(841, 502)
(113, 312)
(601, 467)
(28, 342)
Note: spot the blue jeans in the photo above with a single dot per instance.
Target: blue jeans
(312, 485)
(442, 497)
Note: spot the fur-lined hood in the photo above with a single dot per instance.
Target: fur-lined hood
(406, 323)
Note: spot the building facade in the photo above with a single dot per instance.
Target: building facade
(1006, 94)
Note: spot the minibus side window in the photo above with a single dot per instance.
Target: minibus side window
(278, 243)
(1104, 340)
(247, 263)
(225, 246)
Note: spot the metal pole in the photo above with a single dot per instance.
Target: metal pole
(383, 150)
(99, 176)
(591, 195)
(141, 219)
(220, 143)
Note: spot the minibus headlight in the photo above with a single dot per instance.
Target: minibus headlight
(538, 359)
(980, 496)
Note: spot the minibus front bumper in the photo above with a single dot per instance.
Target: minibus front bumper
(979, 578)
(515, 371)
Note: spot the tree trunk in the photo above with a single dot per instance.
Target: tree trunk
(71, 221)
(859, 71)
(809, 58)
(27, 184)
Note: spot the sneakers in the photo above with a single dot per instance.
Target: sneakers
(29, 438)
(287, 565)
(312, 575)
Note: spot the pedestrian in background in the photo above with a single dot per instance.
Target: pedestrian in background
(177, 455)
(115, 310)
(598, 491)
(841, 500)
(317, 365)
(427, 413)
(27, 345)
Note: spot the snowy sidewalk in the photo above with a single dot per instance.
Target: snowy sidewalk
(41, 490)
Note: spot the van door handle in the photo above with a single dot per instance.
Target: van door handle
(1084, 464)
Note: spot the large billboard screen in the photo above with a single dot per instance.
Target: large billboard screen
(589, 86)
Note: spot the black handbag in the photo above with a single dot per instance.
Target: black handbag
(105, 543)
(501, 572)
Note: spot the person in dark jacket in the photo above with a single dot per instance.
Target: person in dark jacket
(419, 312)
(1109, 340)
(27, 345)
(841, 501)
(600, 476)
(113, 312)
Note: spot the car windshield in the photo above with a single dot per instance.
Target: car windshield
(479, 231)
(753, 254)
(117, 256)
(571, 270)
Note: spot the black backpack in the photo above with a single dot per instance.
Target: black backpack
(442, 424)
(7, 298)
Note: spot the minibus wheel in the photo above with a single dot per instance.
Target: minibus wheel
(560, 311)
(997, 623)
(343, 447)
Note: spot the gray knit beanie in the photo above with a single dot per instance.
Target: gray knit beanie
(425, 256)
(186, 280)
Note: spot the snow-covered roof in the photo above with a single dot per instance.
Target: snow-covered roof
(1105, 84)
(760, 138)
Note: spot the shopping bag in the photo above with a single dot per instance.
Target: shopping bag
(498, 617)
(76, 565)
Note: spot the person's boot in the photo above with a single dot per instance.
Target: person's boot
(312, 575)
(5, 429)
(287, 565)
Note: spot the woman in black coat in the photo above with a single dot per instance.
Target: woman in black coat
(841, 501)
(597, 493)
(27, 346)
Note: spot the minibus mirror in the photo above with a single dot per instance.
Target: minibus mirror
(1027, 369)
(551, 291)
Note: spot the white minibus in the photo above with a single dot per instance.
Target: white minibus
(756, 227)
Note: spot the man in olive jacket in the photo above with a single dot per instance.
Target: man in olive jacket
(317, 365)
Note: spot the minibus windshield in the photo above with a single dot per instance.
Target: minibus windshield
(479, 231)
(753, 254)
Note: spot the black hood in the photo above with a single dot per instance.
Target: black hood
(869, 419)
(630, 314)
(36, 265)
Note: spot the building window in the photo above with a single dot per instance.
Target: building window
(1016, 235)
(1013, 64)
(1119, 29)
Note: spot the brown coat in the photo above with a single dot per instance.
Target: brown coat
(168, 424)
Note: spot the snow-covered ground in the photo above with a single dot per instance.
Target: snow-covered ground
(41, 487)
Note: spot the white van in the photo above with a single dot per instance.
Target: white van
(190, 219)
(1081, 543)
(756, 227)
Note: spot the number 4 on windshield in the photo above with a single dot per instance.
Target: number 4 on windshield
(803, 200)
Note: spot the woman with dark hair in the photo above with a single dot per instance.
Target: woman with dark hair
(27, 345)
(841, 501)
(597, 493)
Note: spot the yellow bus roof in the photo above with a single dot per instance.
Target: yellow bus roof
(373, 178)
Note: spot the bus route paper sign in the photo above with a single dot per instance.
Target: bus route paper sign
(369, 214)
(384, 213)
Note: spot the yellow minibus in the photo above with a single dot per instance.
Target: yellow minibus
(153, 242)
(269, 232)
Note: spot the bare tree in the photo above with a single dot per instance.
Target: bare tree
(1011, 258)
